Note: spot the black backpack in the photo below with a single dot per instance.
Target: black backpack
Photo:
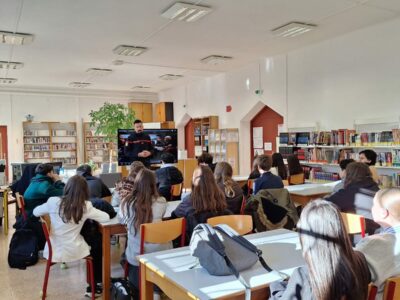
(24, 250)
(120, 289)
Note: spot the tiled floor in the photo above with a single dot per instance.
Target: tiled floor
(63, 284)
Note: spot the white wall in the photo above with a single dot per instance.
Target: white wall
(14, 106)
(332, 83)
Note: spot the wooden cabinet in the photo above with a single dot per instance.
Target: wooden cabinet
(143, 111)
(224, 146)
(164, 112)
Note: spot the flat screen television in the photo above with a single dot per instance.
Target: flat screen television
(162, 141)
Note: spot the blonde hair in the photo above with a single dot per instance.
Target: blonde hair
(389, 199)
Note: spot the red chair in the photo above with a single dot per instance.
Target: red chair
(250, 183)
(21, 205)
(372, 291)
(161, 233)
(392, 289)
(242, 207)
(89, 262)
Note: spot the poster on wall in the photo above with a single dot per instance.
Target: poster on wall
(258, 138)
(258, 152)
(268, 146)
(257, 132)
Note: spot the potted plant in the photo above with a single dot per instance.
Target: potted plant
(108, 119)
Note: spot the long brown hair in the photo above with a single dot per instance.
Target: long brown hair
(73, 205)
(206, 195)
(141, 200)
(336, 270)
(356, 172)
(294, 165)
(223, 174)
(279, 164)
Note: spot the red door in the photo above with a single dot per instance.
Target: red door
(4, 146)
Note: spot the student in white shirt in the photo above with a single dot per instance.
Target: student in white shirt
(144, 205)
(68, 213)
(382, 251)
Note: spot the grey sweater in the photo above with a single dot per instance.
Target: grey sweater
(382, 252)
(132, 250)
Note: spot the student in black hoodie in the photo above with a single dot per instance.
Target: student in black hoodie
(167, 176)
(358, 178)
(138, 146)
(97, 188)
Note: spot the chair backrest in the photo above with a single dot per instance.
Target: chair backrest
(372, 291)
(354, 223)
(242, 224)
(296, 179)
(243, 206)
(162, 232)
(392, 289)
(250, 184)
(46, 226)
(21, 204)
(176, 190)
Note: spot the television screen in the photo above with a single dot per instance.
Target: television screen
(162, 141)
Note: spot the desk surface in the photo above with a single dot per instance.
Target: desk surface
(240, 177)
(281, 250)
(311, 188)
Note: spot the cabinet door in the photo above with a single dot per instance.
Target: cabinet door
(147, 112)
(160, 112)
(138, 109)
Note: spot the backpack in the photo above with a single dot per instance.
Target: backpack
(24, 250)
(120, 289)
(221, 251)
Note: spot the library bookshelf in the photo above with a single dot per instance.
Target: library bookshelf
(201, 127)
(223, 145)
(50, 142)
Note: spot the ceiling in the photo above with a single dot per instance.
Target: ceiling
(72, 36)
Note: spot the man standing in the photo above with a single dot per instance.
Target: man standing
(138, 147)
(382, 251)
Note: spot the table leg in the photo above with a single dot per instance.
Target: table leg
(146, 287)
(106, 262)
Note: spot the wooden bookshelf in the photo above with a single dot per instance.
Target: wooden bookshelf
(201, 127)
(50, 142)
(223, 145)
(96, 147)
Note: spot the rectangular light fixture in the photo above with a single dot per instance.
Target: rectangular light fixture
(140, 87)
(215, 59)
(10, 65)
(8, 80)
(170, 76)
(129, 50)
(17, 38)
(77, 84)
(97, 72)
(186, 12)
(293, 29)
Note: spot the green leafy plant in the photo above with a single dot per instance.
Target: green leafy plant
(109, 118)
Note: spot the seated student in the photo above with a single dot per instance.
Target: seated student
(168, 175)
(358, 178)
(294, 166)
(44, 185)
(124, 187)
(267, 180)
(333, 269)
(343, 164)
(22, 184)
(144, 205)
(278, 166)
(232, 190)
(368, 157)
(205, 201)
(206, 159)
(382, 251)
(68, 214)
(254, 172)
(97, 188)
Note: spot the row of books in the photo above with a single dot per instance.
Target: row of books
(317, 175)
(344, 137)
(45, 147)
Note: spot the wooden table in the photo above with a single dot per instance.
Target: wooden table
(5, 191)
(114, 227)
(172, 270)
(304, 193)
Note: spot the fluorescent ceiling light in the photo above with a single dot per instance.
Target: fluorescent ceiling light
(8, 80)
(186, 12)
(215, 59)
(139, 87)
(11, 65)
(98, 72)
(170, 76)
(293, 29)
(77, 84)
(12, 38)
(129, 50)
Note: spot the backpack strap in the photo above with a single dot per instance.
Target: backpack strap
(218, 246)
(245, 243)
